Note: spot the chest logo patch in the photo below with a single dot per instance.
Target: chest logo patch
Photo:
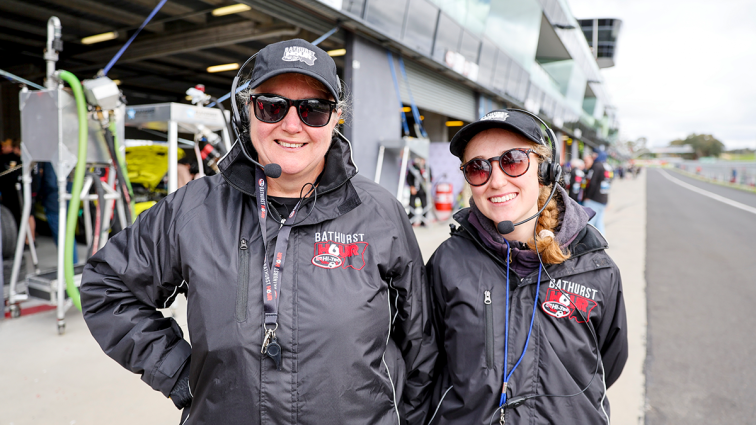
(331, 255)
(569, 299)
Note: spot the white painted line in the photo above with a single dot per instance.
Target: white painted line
(713, 196)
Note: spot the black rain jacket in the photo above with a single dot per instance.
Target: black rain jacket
(358, 345)
(468, 284)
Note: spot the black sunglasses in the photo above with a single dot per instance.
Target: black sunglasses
(272, 108)
(514, 163)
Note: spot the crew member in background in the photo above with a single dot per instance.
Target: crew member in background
(10, 159)
(596, 194)
(417, 175)
(577, 175)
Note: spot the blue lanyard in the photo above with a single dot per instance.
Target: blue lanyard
(503, 398)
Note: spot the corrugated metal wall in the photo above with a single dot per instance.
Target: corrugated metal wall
(436, 93)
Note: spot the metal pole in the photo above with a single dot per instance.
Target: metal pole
(62, 192)
(54, 31)
(15, 297)
(379, 166)
(403, 174)
(172, 156)
(226, 138)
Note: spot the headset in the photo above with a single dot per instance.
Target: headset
(549, 173)
(240, 122)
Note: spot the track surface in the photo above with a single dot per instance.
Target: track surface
(701, 277)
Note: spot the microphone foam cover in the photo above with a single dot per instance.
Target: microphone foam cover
(272, 170)
(505, 227)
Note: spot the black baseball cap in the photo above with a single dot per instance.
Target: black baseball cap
(296, 56)
(508, 119)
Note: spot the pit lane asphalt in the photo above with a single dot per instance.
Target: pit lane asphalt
(701, 292)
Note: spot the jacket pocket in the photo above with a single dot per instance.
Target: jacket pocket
(242, 283)
(489, 329)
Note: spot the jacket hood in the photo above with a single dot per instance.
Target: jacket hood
(571, 231)
(239, 172)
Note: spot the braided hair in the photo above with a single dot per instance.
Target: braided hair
(548, 246)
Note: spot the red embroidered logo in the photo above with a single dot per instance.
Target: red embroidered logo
(569, 299)
(331, 255)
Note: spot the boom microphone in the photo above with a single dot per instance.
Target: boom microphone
(505, 227)
(272, 170)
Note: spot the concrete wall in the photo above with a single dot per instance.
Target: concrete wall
(375, 116)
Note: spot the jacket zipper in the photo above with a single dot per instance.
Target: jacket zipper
(242, 284)
(489, 329)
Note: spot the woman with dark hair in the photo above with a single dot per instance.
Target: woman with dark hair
(307, 299)
(531, 322)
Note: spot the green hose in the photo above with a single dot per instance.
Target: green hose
(122, 163)
(78, 183)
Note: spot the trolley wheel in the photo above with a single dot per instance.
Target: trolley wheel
(61, 328)
(15, 311)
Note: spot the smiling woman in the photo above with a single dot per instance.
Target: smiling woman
(307, 298)
(544, 281)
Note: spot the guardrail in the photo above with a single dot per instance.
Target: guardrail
(743, 173)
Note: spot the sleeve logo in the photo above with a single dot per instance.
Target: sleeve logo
(331, 255)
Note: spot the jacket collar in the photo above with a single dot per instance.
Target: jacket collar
(587, 240)
(335, 195)
(239, 172)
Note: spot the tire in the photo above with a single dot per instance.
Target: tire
(10, 231)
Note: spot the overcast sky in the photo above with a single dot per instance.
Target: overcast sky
(682, 66)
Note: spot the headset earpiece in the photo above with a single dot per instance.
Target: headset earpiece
(544, 173)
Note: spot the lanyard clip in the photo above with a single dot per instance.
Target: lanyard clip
(270, 335)
(503, 417)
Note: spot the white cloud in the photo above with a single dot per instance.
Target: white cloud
(682, 67)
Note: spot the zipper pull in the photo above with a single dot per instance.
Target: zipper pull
(487, 299)
(243, 244)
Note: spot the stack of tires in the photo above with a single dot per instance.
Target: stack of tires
(8, 237)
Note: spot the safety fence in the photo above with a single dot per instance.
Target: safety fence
(743, 173)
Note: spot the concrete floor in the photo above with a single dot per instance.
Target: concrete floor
(51, 379)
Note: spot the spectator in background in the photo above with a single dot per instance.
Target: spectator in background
(9, 158)
(417, 176)
(577, 176)
(596, 194)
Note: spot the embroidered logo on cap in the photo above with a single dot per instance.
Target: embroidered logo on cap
(302, 54)
(501, 116)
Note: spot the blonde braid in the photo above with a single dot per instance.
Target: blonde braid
(548, 247)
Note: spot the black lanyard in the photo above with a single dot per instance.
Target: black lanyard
(270, 286)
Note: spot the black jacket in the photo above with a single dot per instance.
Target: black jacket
(358, 346)
(599, 182)
(468, 286)
(576, 184)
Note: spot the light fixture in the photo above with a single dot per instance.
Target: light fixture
(117, 82)
(406, 109)
(337, 52)
(99, 38)
(188, 97)
(229, 10)
(224, 67)
(454, 123)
